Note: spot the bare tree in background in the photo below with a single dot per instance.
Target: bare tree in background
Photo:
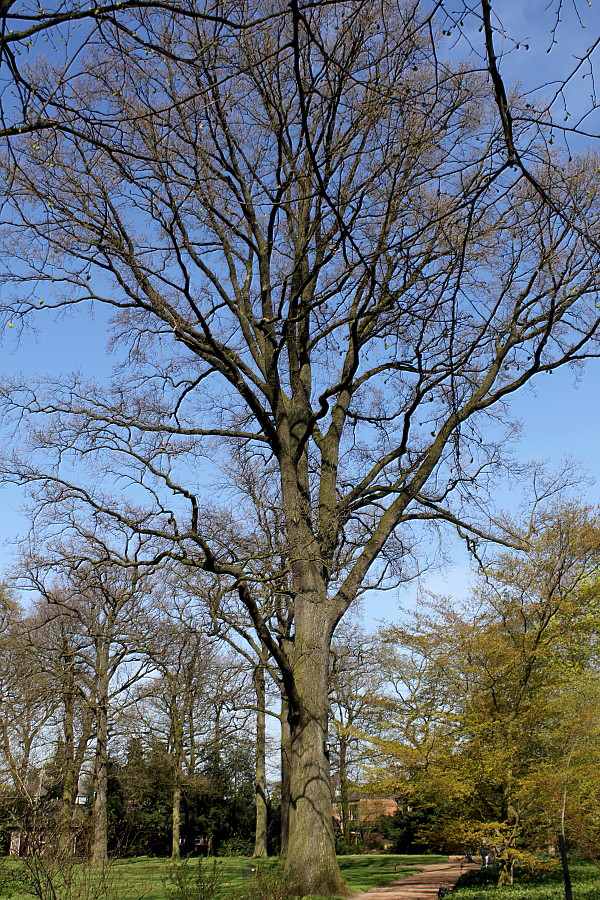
(260, 549)
(61, 643)
(358, 709)
(103, 603)
(318, 246)
(27, 713)
(189, 678)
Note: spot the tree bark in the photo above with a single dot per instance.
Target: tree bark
(506, 875)
(177, 756)
(565, 867)
(344, 799)
(176, 818)
(73, 756)
(260, 837)
(311, 864)
(68, 772)
(286, 752)
(100, 837)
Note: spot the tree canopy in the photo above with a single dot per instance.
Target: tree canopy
(495, 699)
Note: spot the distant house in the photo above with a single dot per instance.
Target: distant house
(364, 813)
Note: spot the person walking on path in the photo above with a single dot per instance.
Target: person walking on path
(424, 884)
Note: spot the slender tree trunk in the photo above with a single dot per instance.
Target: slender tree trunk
(506, 874)
(260, 837)
(177, 756)
(192, 744)
(311, 865)
(344, 799)
(217, 743)
(565, 867)
(67, 803)
(176, 817)
(562, 843)
(100, 838)
(286, 752)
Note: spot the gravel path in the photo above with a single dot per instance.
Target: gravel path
(423, 885)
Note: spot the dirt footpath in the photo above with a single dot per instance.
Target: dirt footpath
(423, 885)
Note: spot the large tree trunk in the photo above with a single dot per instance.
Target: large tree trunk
(260, 837)
(286, 753)
(311, 865)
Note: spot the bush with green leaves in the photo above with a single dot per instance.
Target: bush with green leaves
(237, 846)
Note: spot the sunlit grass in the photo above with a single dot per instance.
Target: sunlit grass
(544, 885)
(362, 872)
(144, 878)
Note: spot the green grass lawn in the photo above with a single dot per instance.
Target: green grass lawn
(545, 885)
(144, 878)
(362, 872)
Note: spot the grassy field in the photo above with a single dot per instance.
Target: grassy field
(546, 885)
(361, 872)
(146, 878)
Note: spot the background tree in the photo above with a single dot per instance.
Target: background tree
(321, 242)
(27, 715)
(358, 709)
(489, 692)
(182, 659)
(195, 703)
(60, 641)
(84, 584)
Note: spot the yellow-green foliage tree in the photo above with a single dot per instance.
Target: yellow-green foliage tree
(498, 698)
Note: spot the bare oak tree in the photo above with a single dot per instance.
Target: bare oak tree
(318, 248)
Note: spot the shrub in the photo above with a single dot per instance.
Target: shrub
(193, 881)
(237, 847)
(266, 884)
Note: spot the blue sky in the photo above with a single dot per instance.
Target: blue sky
(560, 417)
(74, 341)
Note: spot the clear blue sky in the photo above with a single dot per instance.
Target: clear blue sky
(559, 417)
(559, 420)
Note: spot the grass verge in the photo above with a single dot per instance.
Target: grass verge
(544, 885)
(144, 878)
